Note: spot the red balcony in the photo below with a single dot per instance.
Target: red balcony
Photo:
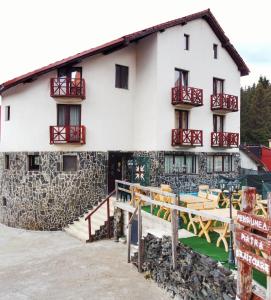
(67, 134)
(187, 96)
(225, 139)
(186, 137)
(224, 103)
(68, 87)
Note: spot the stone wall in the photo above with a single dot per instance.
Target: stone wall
(186, 182)
(196, 277)
(49, 199)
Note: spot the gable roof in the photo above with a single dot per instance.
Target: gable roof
(252, 155)
(133, 37)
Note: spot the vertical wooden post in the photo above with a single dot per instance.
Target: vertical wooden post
(108, 219)
(89, 230)
(139, 224)
(268, 278)
(174, 230)
(117, 191)
(244, 276)
(129, 238)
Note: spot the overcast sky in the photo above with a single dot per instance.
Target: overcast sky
(35, 33)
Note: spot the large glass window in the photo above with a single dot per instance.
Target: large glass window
(219, 163)
(180, 163)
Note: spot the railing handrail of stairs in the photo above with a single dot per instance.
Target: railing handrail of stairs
(88, 216)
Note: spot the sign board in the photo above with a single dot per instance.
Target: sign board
(257, 262)
(253, 221)
(255, 241)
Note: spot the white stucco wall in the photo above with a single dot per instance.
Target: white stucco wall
(140, 118)
(202, 67)
(247, 162)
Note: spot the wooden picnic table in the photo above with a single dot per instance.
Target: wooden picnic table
(261, 205)
(206, 225)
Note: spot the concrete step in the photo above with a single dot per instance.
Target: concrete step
(73, 231)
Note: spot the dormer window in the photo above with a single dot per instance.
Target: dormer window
(186, 41)
(215, 49)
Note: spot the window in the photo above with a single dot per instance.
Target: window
(219, 163)
(181, 78)
(215, 48)
(218, 123)
(33, 162)
(70, 72)
(4, 201)
(69, 163)
(181, 117)
(218, 86)
(7, 113)
(121, 80)
(186, 41)
(7, 166)
(73, 86)
(180, 163)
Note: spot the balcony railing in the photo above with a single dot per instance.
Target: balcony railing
(225, 139)
(68, 87)
(187, 95)
(186, 137)
(224, 102)
(67, 135)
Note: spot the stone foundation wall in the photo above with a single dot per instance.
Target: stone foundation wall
(196, 276)
(49, 199)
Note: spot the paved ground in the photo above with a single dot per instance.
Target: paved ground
(53, 265)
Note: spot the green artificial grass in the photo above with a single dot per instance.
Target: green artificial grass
(200, 245)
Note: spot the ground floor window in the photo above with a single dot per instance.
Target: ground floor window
(180, 163)
(219, 163)
(33, 162)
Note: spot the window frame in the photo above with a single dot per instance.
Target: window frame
(186, 42)
(67, 114)
(215, 51)
(215, 81)
(121, 77)
(194, 166)
(7, 113)
(179, 114)
(218, 120)
(224, 157)
(32, 166)
(184, 75)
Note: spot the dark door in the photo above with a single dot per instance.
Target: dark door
(114, 169)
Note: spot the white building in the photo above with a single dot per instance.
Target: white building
(149, 105)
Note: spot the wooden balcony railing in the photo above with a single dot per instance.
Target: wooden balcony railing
(68, 87)
(187, 95)
(224, 102)
(225, 139)
(186, 137)
(67, 134)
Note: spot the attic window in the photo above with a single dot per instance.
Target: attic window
(215, 48)
(121, 80)
(7, 113)
(186, 42)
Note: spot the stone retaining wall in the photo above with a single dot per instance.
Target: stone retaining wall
(196, 277)
(49, 199)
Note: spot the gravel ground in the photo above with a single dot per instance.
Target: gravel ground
(54, 265)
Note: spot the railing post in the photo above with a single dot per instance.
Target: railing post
(89, 230)
(139, 224)
(117, 190)
(129, 241)
(108, 219)
(174, 237)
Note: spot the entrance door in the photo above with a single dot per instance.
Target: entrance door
(115, 169)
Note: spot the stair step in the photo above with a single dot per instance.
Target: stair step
(77, 233)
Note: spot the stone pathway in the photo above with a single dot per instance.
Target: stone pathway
(54, 265)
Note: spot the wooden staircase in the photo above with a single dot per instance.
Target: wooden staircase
(94, 225)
